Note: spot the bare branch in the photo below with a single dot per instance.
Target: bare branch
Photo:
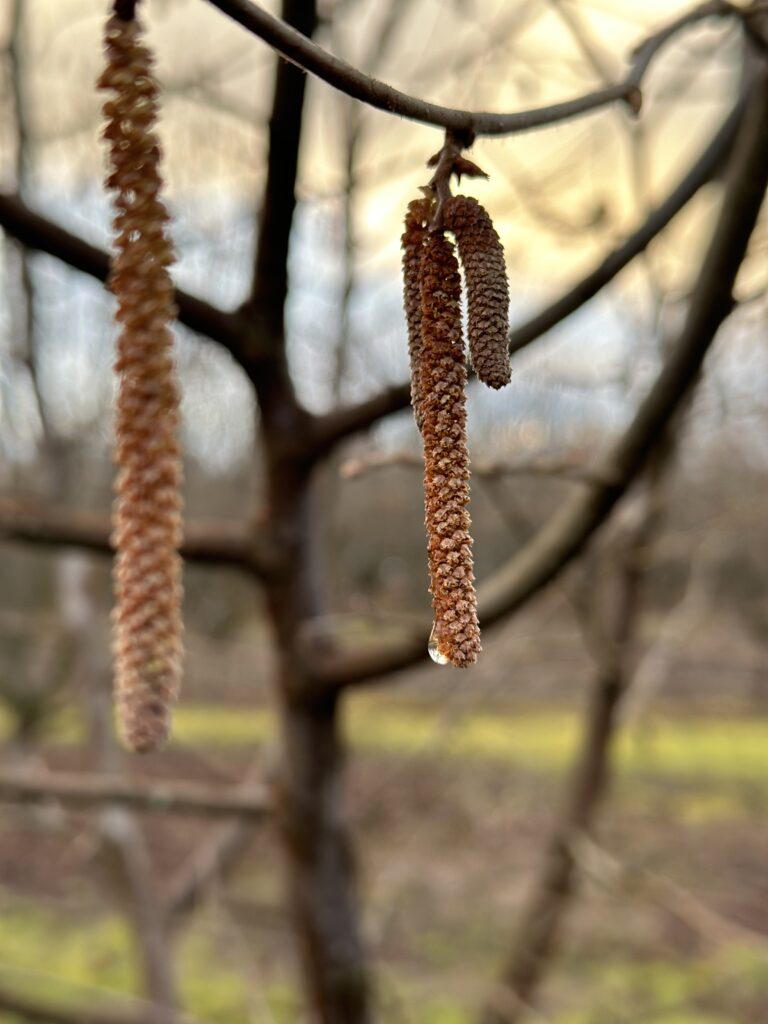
(296, 48)
(699, 174)
(212, 860)
(29, 1009)
(89, 791)
(37, 232)
(612, 612)
(631, 879)
(569, 530)
(270, 276)
(563, 468)
(214, 543)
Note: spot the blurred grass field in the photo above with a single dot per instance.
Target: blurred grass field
(449, 808)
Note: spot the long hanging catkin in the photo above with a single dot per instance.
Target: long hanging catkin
(482, 257)
(147, 517)
(416, 220)
(442, 380)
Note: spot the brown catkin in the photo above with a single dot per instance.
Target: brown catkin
(147, 515)
(482, 257)
(442, 376)
(416, 220)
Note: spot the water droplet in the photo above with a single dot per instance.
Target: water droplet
(435, 654)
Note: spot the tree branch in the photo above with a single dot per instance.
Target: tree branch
(219, 851)
(94, 791)
(563, 468)
(613, 604)
(212, 544)
(270, 276)
(328, 430)
(37, 232)
(568, 531)
(29, 1009)
(296, 48)
(657, 220)
(211, 860)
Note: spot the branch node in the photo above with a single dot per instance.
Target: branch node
(634, 100)
(125, 10)
(448, 161)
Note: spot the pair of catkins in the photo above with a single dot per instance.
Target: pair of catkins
(432, 299)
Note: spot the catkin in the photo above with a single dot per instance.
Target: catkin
(147, 514)
(416, 220)
(442, 380)
(482, 258)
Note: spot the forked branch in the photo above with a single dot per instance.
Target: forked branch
(300, 50)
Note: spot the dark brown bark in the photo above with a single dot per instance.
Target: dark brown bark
(308, 800)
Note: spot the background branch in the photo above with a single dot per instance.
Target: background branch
(38, 232)
(93, 791)
(30, 1009)
(214, 543)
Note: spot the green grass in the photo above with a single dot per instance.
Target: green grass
(677, 991)
(705, 748)
(71, 960)
(59, 959)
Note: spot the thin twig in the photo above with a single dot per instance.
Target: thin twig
(300, 50)
(93, 791)
(562, 469)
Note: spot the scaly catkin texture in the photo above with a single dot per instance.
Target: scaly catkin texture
(482, 257)
(147, 515)
(442, 375)
(416, 220)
